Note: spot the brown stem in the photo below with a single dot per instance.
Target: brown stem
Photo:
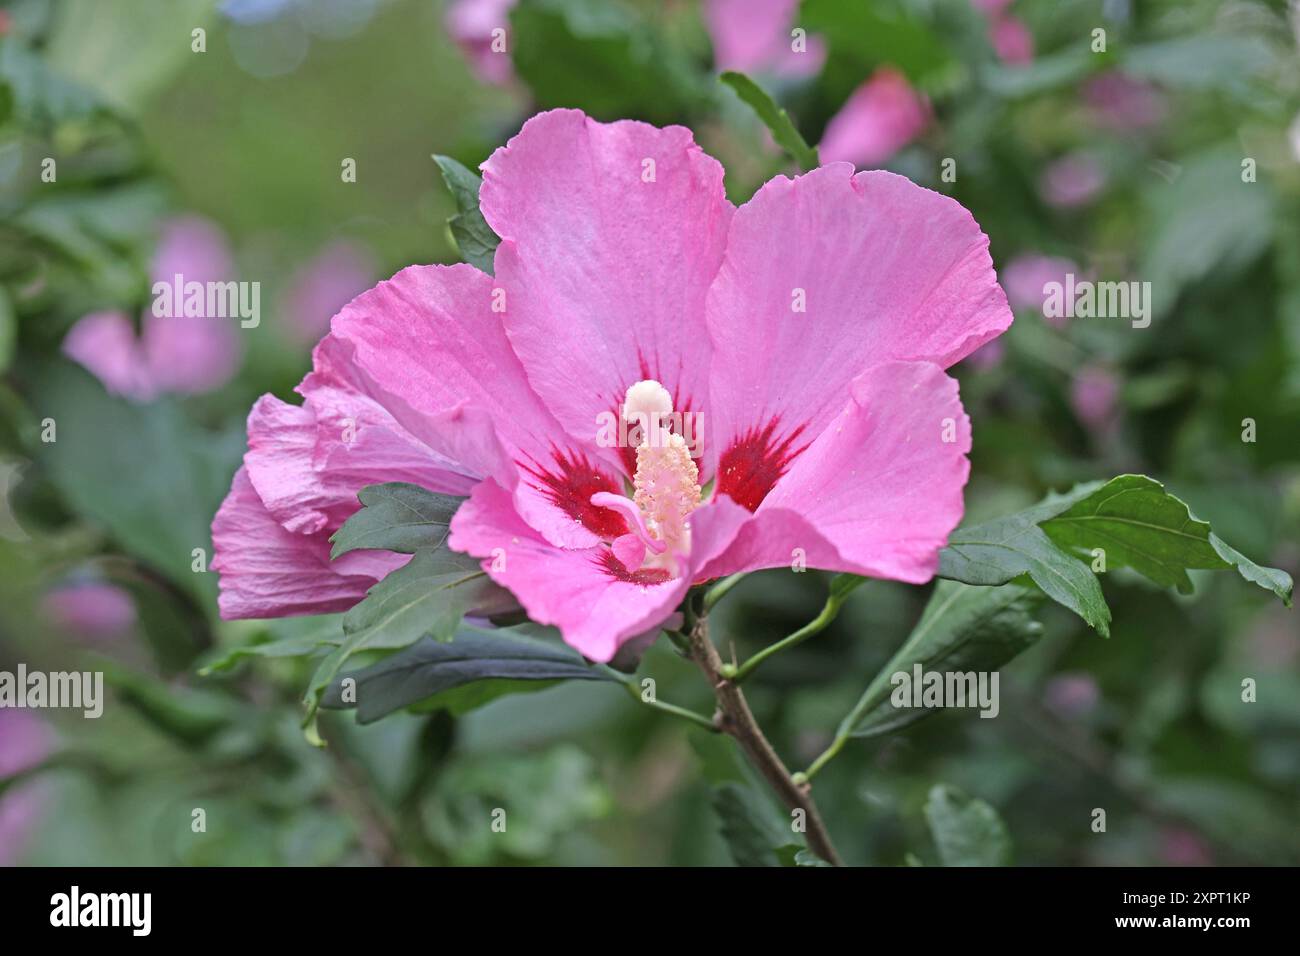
(736, 719)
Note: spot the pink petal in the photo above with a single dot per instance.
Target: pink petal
(606, 273)
(877, 492)
(1012, 41)
(195, 248)
(888, 270)
(755, 36)
(308, 462)
(470, 24)
(90, 609)
(323, 286)
(105, 344)
(1072, 181)
(427, 346)
(587, 593)
(191, 354)
(266, 571)
(882, 116)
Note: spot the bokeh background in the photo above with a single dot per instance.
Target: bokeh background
(1127, 163)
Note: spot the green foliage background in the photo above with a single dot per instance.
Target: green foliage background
(1147, 723)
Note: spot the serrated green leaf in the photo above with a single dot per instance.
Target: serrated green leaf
(967, 831)
(776, 119)
(475, 667)
(963, 628)
(474, 237)
(999, 551)
(1139, 525)
(396, 516)
(428, 596)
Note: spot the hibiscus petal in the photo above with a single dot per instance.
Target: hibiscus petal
(104, 343)
(882, 269)
(877, 492)
(428, 347)
(587, 593)
(266, 571)
(611, 234)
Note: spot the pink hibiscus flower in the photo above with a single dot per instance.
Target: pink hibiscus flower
(805, 333)
(184, 354)
(481, 28)
(882, 116)
(756, 36)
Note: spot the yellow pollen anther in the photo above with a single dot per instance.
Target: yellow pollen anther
(667, 482)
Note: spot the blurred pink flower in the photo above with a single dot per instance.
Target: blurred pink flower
(471, 24)
(25, 740)
(1094, 396)
(755, 36)
(1122, 102)
(1180, 846)
(1071, 696)
(1072, 181)
(988, 355)
(632, 300)
(183, 354)
(1025, 276)
(90, 609)
(882, 116)
(1011, 39)
(339, 273)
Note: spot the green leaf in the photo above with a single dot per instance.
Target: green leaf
(963, 628)
(883, 31)
(396, 516)
(125, 51)
(427, 597)
(774, 118)
(165, 510)
(605, 58)
(752, 831)
(999, 551)
(476, 666)
(968, 832)
(1139, 525)
(474, 237)
(296, 645)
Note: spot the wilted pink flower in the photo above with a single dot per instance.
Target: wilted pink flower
(187, 354)
(1025, 277)
(1094, 396)
(805, 333)
(91, 609)
(882, 116)
(25, 740)
(473, 25)
(323, 286)
(1072, 181)
(756, 36)
(1011, 39)
(1123, 102)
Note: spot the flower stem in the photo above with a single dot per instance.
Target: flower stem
(667, 708)
(719, 590)
(818, 624)
(737, 720)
